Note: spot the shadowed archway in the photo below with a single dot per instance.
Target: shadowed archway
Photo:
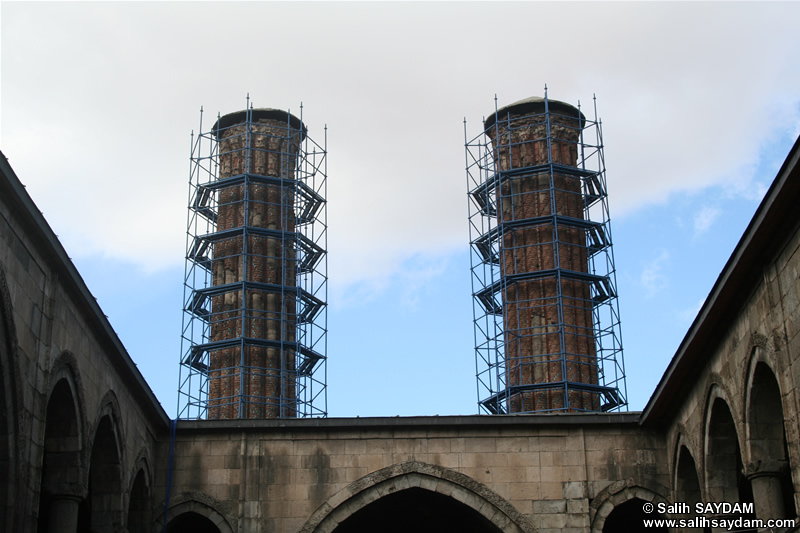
(687, 487)
(101, 512)
(412, 493)
(687, 484)
(139, 504)
(196, 512)
(62, 467)
(725, 481)
(614, 503)
(417, 510)
(191, 522)
(630, 516)
(768, 469)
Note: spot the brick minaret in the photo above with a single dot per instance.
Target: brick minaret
(254, 266)
(547, 308)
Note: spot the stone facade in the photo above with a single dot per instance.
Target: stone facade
(80, 425)
(521, 473)
(86, 446)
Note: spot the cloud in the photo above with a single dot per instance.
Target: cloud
(687, 103)
(418, 277)
(705, 218)
(653, 278)
(409, 277)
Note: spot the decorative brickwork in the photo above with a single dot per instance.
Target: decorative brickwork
(549, 330)
(547, 324)
(258, 383)
(254, 330)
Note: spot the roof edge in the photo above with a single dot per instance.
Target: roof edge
(74, 282)
(779, 195)
(563, 420)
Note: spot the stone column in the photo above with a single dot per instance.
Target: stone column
(766, 479)
(63, 513)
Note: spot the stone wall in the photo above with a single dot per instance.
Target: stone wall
(532, 472)
(75, 409)
(741, 410)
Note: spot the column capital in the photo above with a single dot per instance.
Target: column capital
(764, 468)
(66, 497)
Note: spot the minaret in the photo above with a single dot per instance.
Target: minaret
(255, 262)
(544, 287)
(255, 270)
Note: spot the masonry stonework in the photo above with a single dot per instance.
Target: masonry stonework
(547, 470)
(79, 423)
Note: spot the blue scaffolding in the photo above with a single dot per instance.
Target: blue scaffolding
(546, 319)
(254, 333)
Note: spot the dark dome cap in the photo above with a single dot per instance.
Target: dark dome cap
(533, 106)
(240, 117)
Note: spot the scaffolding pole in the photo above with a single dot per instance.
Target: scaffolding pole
(546, 319)
(254, 335)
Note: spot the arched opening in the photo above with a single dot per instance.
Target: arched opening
(139, 507)
(61, 462)
(102, 509)
(687, 485)
(629, 517)
(414, 496)
(724, 470)
(189, 515)
(191, 522)
(768, 470)
(417, 510)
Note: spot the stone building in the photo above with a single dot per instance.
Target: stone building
(87, 447)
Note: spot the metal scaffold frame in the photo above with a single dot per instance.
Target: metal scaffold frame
(254, 334)
(507, 266)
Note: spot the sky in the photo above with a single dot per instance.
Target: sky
(98, 100)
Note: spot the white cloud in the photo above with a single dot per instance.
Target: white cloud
(653, 278)
(705, 218)
(99, 100)
(411, 276)
(419, 277)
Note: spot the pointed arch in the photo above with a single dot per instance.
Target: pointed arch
(102, 510)
(724, 480)
(629, 516)
(62, 482)
(687, 480)
(461, 490)
(768, 466)
(109, 408)
(621, 501)
(196, 511)
(139, 502)
(65, 370)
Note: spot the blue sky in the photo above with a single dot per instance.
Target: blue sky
(408, 349)
(699, 105)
